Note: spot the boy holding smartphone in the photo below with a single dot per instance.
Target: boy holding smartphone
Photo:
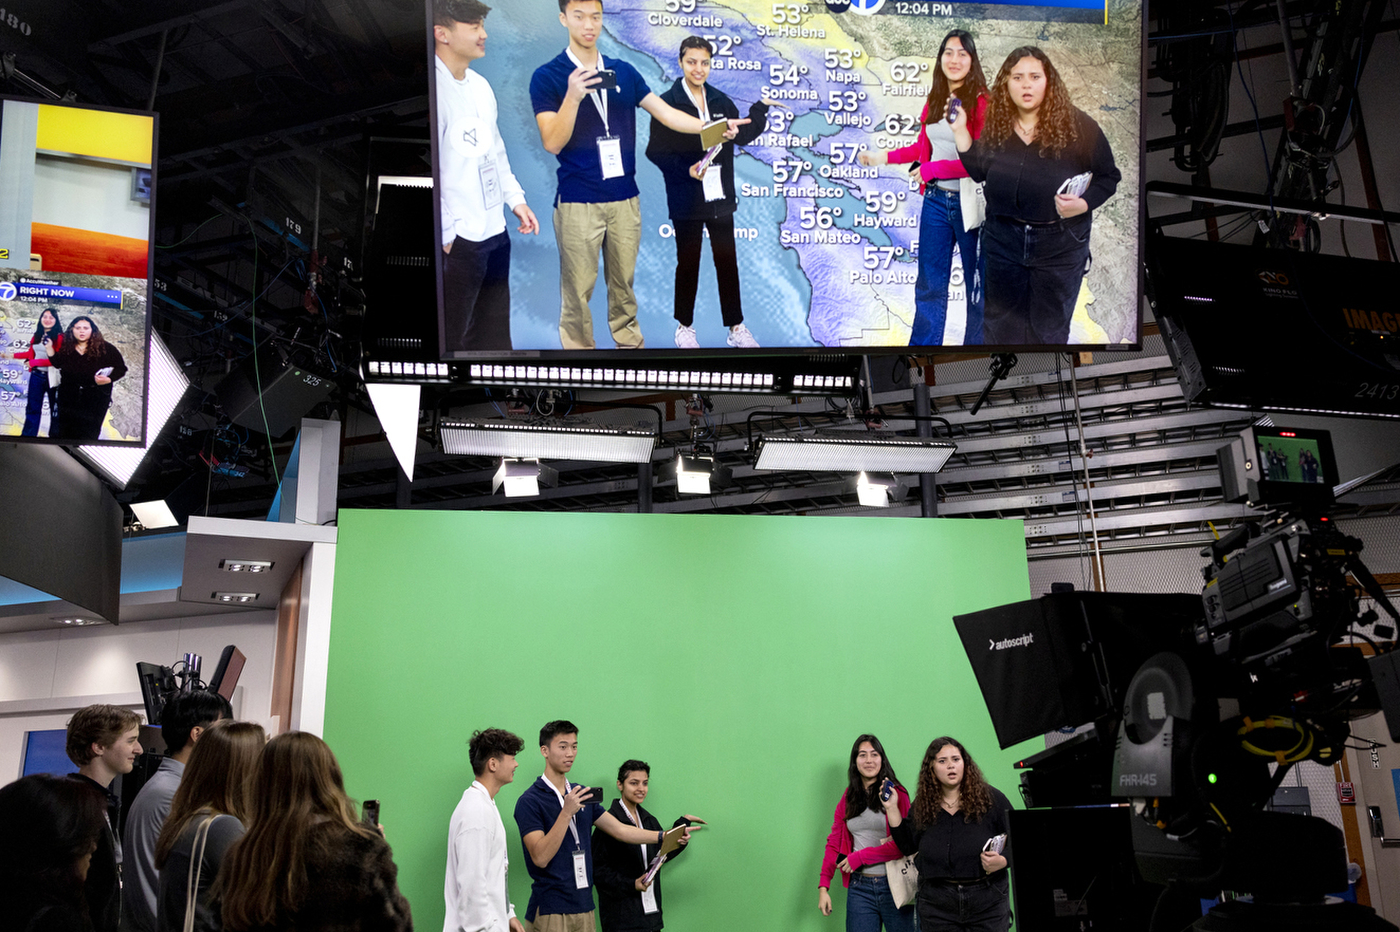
(556, 820)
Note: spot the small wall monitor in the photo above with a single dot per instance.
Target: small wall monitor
(76, 222)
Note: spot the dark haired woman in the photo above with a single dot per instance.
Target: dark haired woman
(306, 862)
(49, 828)
(859, 840)
(43, 377)
(625, 902)
(1034, 150)
(206, 818)
(941, 224)
(962, 886)
(89, 365)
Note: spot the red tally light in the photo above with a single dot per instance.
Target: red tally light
(1324, 518)
(1287, 433)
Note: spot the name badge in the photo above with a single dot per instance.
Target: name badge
(490, 184)
(610, 156)
(713, 181)
(649, 899)
(580, 870)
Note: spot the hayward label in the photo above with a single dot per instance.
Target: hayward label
(1024, 640)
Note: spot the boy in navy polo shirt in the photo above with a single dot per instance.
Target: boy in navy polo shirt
(593, 132)
(556, 827)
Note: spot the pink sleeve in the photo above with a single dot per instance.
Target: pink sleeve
(917, 151)
(833, 843)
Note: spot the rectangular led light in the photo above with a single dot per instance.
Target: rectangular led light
(529, 441)
(829, 454)
(245, 566)
(234, 596)
(166, 385)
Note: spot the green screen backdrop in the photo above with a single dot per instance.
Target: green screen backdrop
(740, 656)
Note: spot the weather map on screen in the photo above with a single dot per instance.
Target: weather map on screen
(829, 217)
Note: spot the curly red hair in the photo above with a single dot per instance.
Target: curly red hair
(1056, 127)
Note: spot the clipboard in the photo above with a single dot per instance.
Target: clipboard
(712, 134)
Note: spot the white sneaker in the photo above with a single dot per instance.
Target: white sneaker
(739, 336)
(686, 338)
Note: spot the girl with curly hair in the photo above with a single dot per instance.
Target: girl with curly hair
(941, 225)
(89, 365)
(1036, 238)
(859, 843)
(955, 813)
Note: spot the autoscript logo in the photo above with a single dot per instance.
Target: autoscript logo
(1023, 641)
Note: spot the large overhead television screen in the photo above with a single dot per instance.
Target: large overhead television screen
(827, 246)
(75, 270)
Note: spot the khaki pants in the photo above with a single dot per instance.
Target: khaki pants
(581, 230)
(567, 922)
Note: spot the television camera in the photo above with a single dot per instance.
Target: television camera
(1200, 705)
(160, 684)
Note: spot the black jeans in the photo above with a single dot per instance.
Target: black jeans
(982, 907)
(689, 238)
(476, 294)
(1033, 277)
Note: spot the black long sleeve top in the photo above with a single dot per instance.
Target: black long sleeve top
(1022, 179)
(674, 153)
(951, 848)
(616, 867)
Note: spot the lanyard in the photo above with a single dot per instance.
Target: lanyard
(600, 101)
(573, 827)
(635, 821)
(700, 107)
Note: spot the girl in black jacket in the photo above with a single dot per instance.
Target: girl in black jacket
(625, 903)
(697, 200)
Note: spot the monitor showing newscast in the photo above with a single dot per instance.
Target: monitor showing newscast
(75, 271)
(720, 176)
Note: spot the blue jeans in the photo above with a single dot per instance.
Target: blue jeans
(34, 404)
(940, 226)
(868, 904)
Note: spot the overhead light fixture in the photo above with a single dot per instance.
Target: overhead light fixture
(532, 441)
(879, 490)
(154, 514)
(166, 385)
(75, 622)
(233, 596)
(869, 454)
(245, 566)
(696, 474)
(766, 376)
(523, 479)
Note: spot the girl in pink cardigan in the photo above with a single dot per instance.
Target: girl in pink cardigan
(959, 73)
(860, 841)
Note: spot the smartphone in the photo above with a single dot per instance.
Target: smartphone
(608, 82)
(954, 106)
(594, 794)
(369, 813)
(886, 790)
